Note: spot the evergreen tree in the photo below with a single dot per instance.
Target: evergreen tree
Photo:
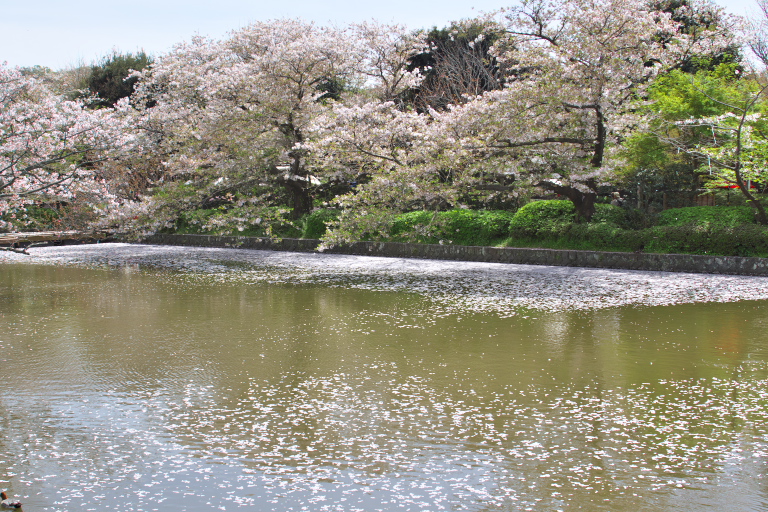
(109, 78)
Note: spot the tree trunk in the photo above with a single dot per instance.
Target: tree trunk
(583, 202)
(301, 200)
(744, 188)
(298, 183)
(760, 214)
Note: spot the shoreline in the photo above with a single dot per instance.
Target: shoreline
(687, 263)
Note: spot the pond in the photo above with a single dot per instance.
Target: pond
(148, 378)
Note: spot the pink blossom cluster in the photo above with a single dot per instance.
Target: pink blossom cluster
(53, 149)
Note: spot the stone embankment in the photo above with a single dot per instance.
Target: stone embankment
(566, 258)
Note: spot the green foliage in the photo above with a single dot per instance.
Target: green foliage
(730, 197)
(461, 227)
(716, 117)
(600, 236)
(708, 216)
(109, 78)
(694, 230)
(673, 184)
(470, 227)
(237, 221)
(316, 223)
(332, 89)
(78, 213)
(542, 217)
(744, 240)
(555, 217)
(414, 225)
(728, 231)
(603, 237)
(645, 151)
(668, 173)
(678, 95)
(34, 218)
(610, 214)
(192, 222)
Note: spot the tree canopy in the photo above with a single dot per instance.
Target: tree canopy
(546, 97)
(53, 149)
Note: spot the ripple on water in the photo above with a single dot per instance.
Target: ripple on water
(376, 439)
(502, 289)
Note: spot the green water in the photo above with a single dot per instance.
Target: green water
(135, 388)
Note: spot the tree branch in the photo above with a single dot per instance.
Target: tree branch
(508, 144)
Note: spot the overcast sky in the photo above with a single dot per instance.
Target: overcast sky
(65, 33)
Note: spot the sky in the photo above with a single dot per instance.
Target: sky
(61, 34)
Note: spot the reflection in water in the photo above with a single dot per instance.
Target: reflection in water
(138, 389)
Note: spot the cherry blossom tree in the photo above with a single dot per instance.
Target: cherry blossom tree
(256, 124)
(578, 68)
(395, 159)
(53, 150)
(574, 73)
(401, 159)
(231, 117)
(385, 53)
(227, 114)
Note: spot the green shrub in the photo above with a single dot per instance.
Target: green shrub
(236, 221)
(407, 225)
(707, 216)
(35, 218)
(190, 222)
(553, 218)
(495, 223)
(110, 77)
(744, 240)
(475, 227)
(285, 229)
(559, 210)
(542, 219)
(602, 236)
(734, 197)
(316, 223)
(460, 226)
(610, 214)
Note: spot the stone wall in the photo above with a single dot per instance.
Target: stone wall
(593, 259)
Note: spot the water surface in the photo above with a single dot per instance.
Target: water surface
(178, 379)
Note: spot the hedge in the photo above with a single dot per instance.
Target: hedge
(707, 216)
(460, 226)
(554, 217)
(743, 240)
